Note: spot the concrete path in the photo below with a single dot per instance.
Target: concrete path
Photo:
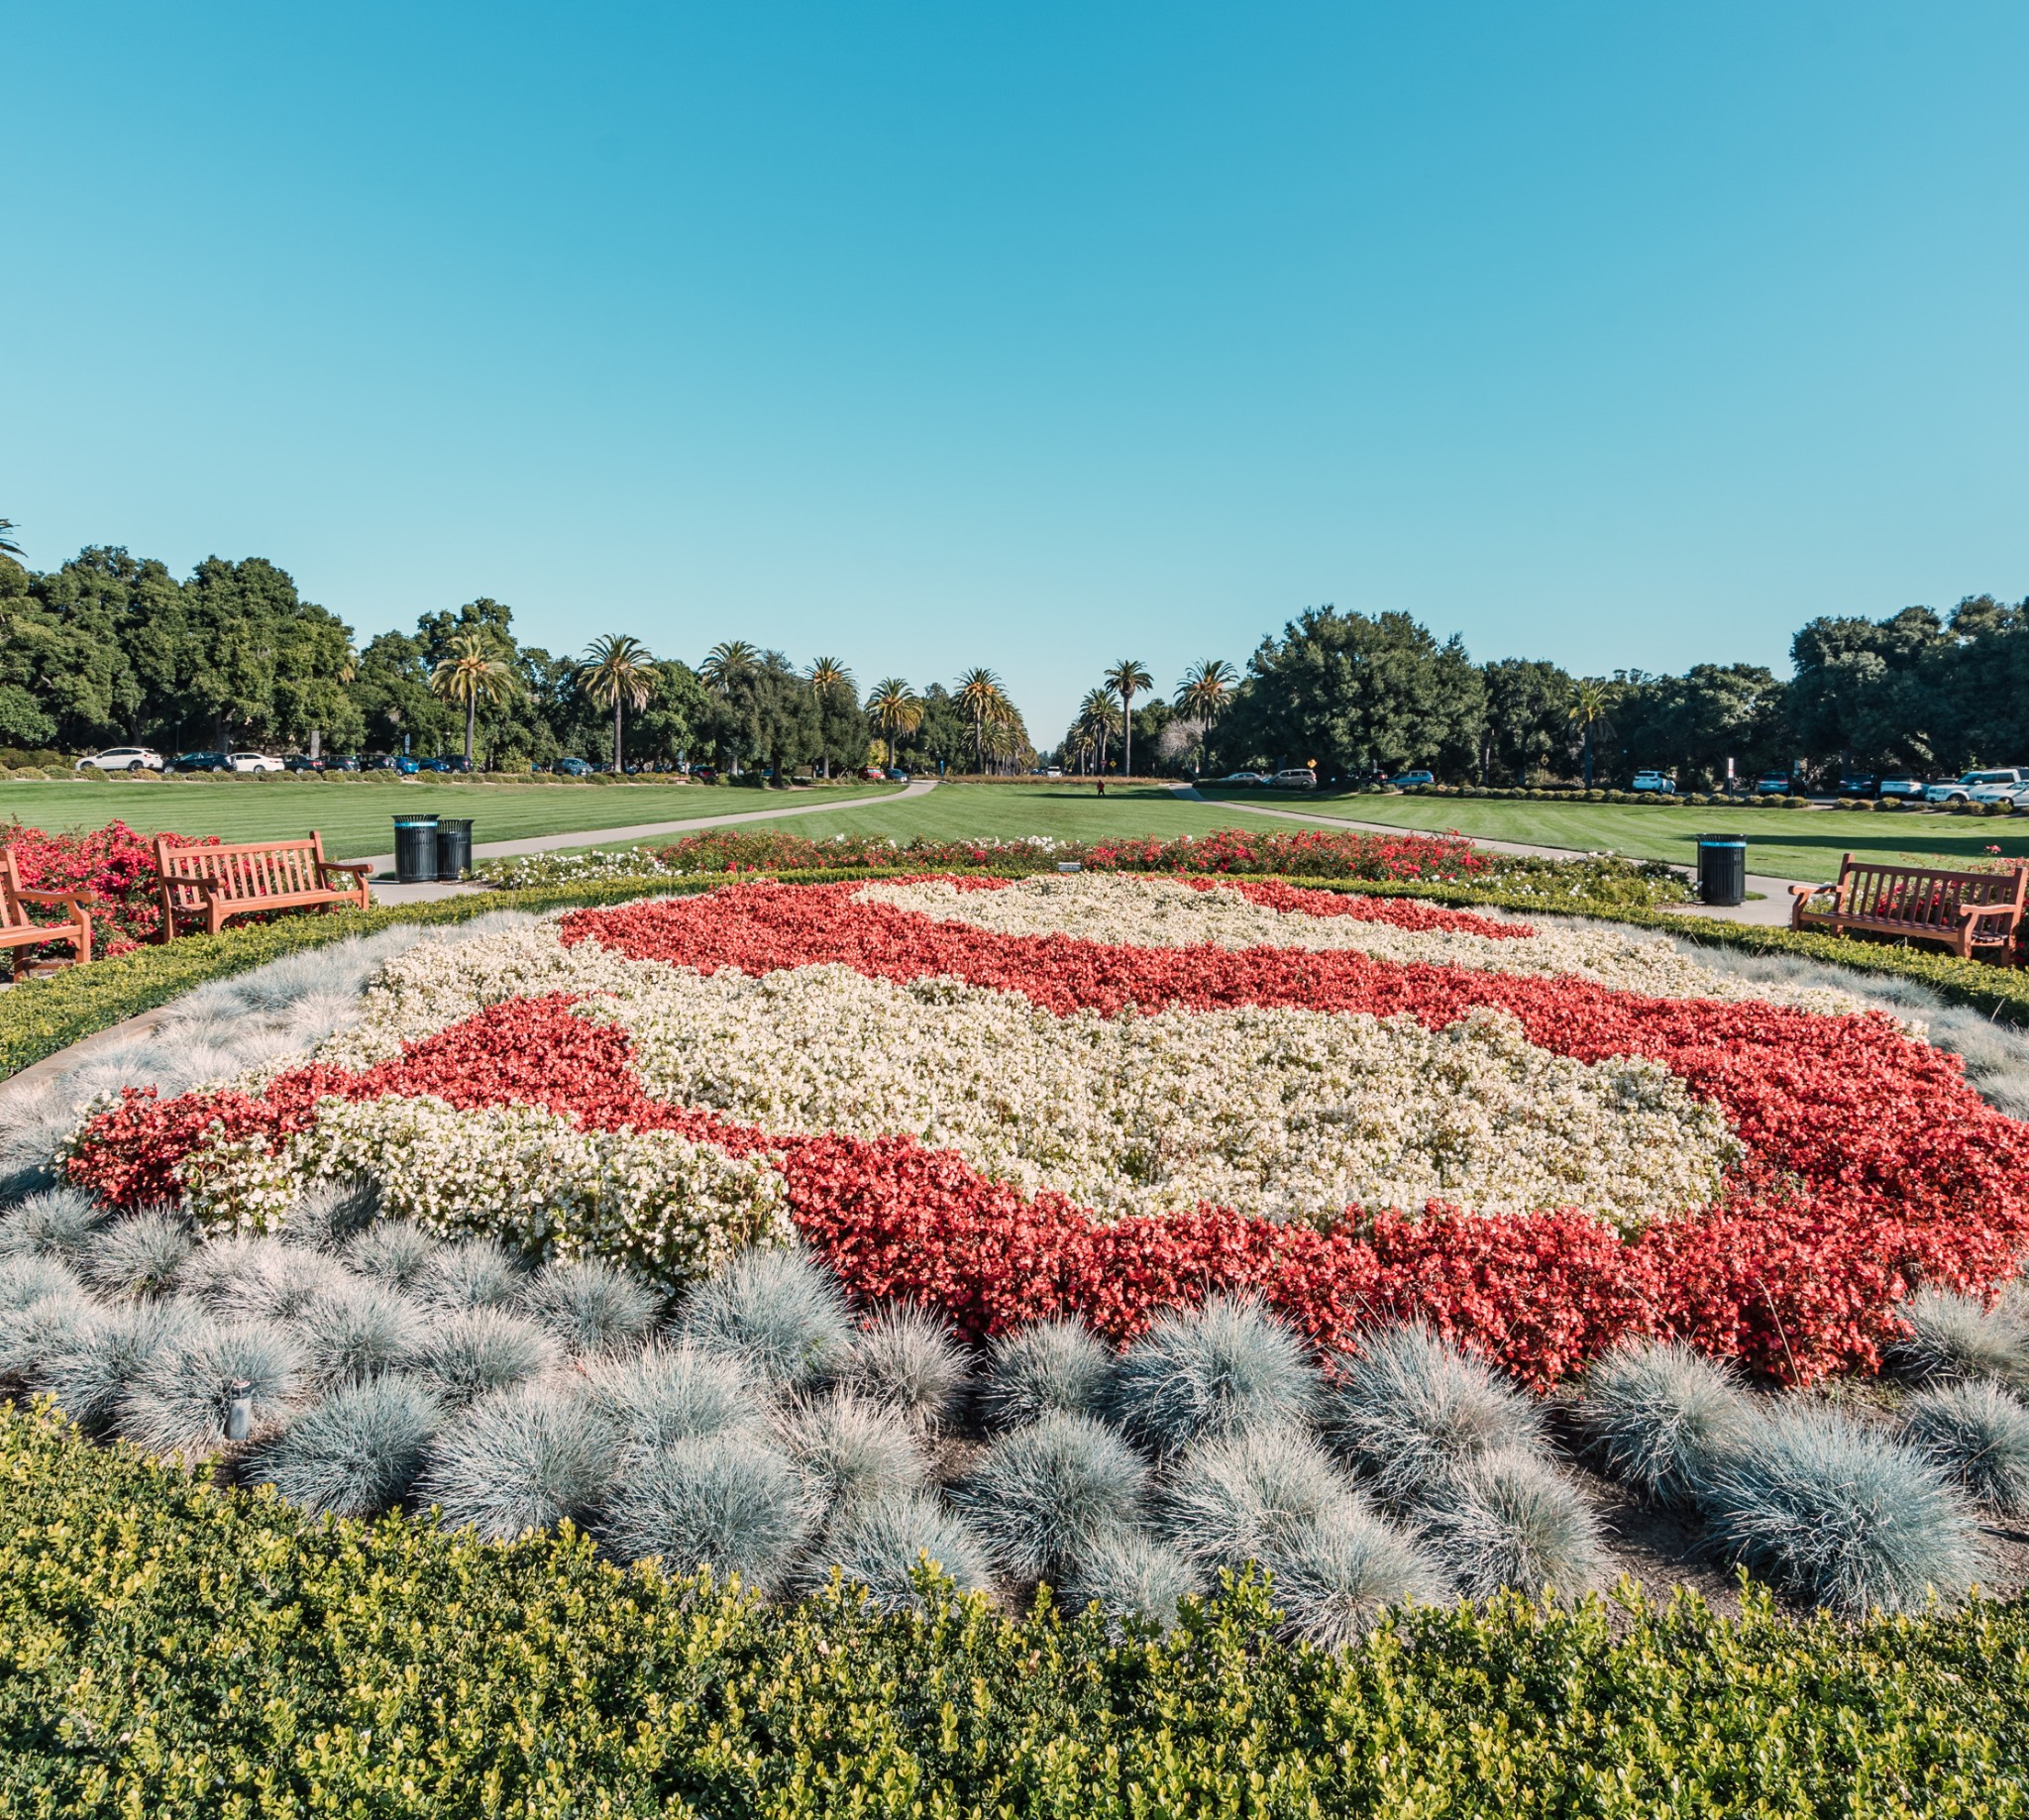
(1770, 911)
(388, 891)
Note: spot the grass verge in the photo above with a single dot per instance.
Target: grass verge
(169, 1649)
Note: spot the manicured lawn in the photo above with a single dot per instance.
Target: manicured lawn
(1786, 844)
(357, 819)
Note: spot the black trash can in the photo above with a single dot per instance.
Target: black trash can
(415, 849)
(454, 847)
(1723, 868)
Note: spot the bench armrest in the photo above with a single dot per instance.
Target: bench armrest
(1808, 890)
(50, 897)
(359, 868)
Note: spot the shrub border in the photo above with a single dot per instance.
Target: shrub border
(42, 1018)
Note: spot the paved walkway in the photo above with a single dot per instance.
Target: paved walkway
(388, 891)
(1770, 911)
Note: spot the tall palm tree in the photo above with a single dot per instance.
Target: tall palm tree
(896, 709)
(475, 671)
(1590, 714)
(618, 673)
(826, 677)
(1204, 693)
(8, 547)
(1127, 678)
(726, 663)
(981, 696)
(1098, 721)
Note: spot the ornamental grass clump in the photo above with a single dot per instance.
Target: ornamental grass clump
(1230, 1501)
(728, 1502)
(481, 1350)
(779, 1311)
(397, 1253)
(472, 1273)
(33, 1336)
(1978, 1436)
(519, 1460)
(1508, 1518)
(885, 1544)
(591, 1306)
(355, 1331)
(1043, 1492)
(140, 1255)
(906, 1359)
(1661, 1416)
(1411, 1408)
(258, 1278)
(91, 1372)
(1133, 1578)
(1841, 1514)
(28, 1278)
(1054, 1367)
(849, 1449)
(1335, 1576)
(180, 1400)
(1956, 1336)
(1221, 1370)
(56, 1222)
(329, 1213)
(356, 1451)
(671, 1393)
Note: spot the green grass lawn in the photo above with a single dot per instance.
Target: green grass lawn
(1783, 843)
(1008, 811)
(358, 818)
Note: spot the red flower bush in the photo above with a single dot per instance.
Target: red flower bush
(1870, 1165)
(113, 867)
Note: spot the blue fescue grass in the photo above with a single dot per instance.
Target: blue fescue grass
(1661, 1416)
(777, 1310)
(480, 1350)
(883, 1544)
(56, 1222)
(849, 1449)
(140, 1255)
(356, 1331)
(1042, 1492)
(592, 1306)
(1054, 1367)
(671, 1393)
(91, 1372)
(518, 1459)
(258, 1278)
(1133, 1578)
(472, 1273)
(1841, 1514)
(397, 1253)
(726, 1501)
(355, 1453)
(1226, 1502)
(1955, 1337)
(1220, 1369)
(1978, 1436)
(1338, 1573)
(177, 1403)
(906, 1360)
(1508, 1518)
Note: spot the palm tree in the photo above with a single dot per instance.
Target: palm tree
(826, 675)
(475, 671)
(1097, 720)
(1204, 693)
(981, 696)
(618, 673)
(1590, 714)
(895, 708)
(1127, 678)
(726, 663)
(8, 547)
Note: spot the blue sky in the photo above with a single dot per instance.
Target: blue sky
(1037, 336)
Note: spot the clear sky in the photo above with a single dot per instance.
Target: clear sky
(1033, 336)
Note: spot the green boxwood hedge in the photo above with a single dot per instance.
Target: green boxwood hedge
(167, 1648)
(42, 1016)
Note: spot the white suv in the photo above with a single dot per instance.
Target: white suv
(253, 761)
(122, 758)
(1980, 787)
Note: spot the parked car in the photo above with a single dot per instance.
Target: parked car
(1411, 780)
(1858, 784)
(1055, 770)
(901, 777)
(433, 764)
(302, 761)
(1244, 776)
(1980, 787)
(1903, 784)
(253, 761)
(1296, 778)
(572, 768)
(201, 760)
(1775, 784)
(1654, 783)
(122, 758)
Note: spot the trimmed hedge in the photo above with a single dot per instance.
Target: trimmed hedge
(40, 1016)
(167, 1648)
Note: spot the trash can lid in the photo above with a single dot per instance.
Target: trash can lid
(415, 822)
(1722, 840)
(452, 821)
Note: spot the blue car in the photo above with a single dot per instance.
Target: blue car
(574, 768)
(1411, 780)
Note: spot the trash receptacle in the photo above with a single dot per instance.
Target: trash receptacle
(454, 847)
(415, 849)
(1723, 868)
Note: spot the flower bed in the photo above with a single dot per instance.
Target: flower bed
(1340, 1103)
(114, 869)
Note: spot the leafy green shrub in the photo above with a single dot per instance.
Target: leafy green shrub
(170, 1649)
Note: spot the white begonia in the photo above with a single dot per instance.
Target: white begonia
(1159, 913)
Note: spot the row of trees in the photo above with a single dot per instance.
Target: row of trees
(111, 648)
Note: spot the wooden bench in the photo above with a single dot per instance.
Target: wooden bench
(1967, 912)
(17, 932)
(252, 878)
